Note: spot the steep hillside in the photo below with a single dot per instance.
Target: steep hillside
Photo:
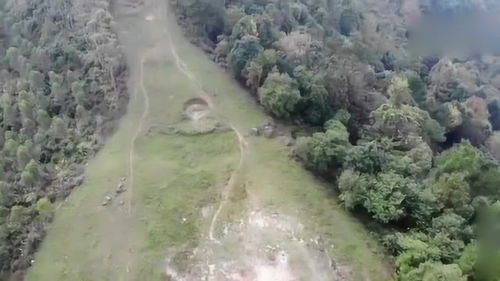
(408, 98)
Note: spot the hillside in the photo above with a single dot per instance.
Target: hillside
(406, 94)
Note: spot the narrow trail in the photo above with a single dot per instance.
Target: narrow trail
(181, 65)
(137, 134)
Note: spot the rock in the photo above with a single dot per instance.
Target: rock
(268, 131)
(120, 188)
(254, 132)
(284, 140)
(107, 200)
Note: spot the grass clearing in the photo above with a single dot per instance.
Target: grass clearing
(178, 176)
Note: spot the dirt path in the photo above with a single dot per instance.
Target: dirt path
(242, 143)
(138, 131)
(275, 274)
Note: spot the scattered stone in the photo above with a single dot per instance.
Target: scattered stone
(107, 200)
(285, 140)
(120, 188)
(268, 131)
(122, 203)
(254, 132)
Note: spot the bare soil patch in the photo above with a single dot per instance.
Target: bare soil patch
(196, 109)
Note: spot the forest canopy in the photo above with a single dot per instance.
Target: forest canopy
(61, 85)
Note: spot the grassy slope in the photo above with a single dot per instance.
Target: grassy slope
(175, 176)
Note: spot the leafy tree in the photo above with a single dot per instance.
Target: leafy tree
(434, 272)
(386, 195)
(259, 68)
(399, 90)
(418, 89)
(452, 225)
(349, 22)
(43, 119)
(280, 95)
(327, 150)
(23, 156)
(243, 51)
(415, 249)
(452, 192)
(44, 208)
(462, 158)
(370, 156)
(468, 259)
(353, 186)
(314, 96)
(58, 128)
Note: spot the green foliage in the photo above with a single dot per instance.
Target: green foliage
(434, 272)
(349, 22)
(280, 95)
(52, 64)
(326, 150)
(399, 171)
(418, 89)
(243, 51)
(353, 186)
(316, 108)
(382, 196)
(462, 158)
(415, 249)
(259, 68)
(468, 259)
(452, 191)
(44, 208)
(384, 199)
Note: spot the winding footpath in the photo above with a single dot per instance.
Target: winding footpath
(182, 67)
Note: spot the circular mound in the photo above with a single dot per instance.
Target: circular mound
(196, 108)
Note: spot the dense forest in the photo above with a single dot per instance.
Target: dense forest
(61, 84)
(409, 139)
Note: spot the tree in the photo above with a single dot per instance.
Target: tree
(430, 271)
(43, 119)
(468, 259)
(399, 91)
(353, 186)
(58, 128)
(327, 150)
(452, 225)
(452, 192)
(370, 156)
(243, 51)
(386, 195)
(259, 68)
(349, 22)
(415, 249)
(30, 174)
(23, 156)
(462, 158)
(280, 95)
(45, 209)
(418, 89)
(314, 96)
